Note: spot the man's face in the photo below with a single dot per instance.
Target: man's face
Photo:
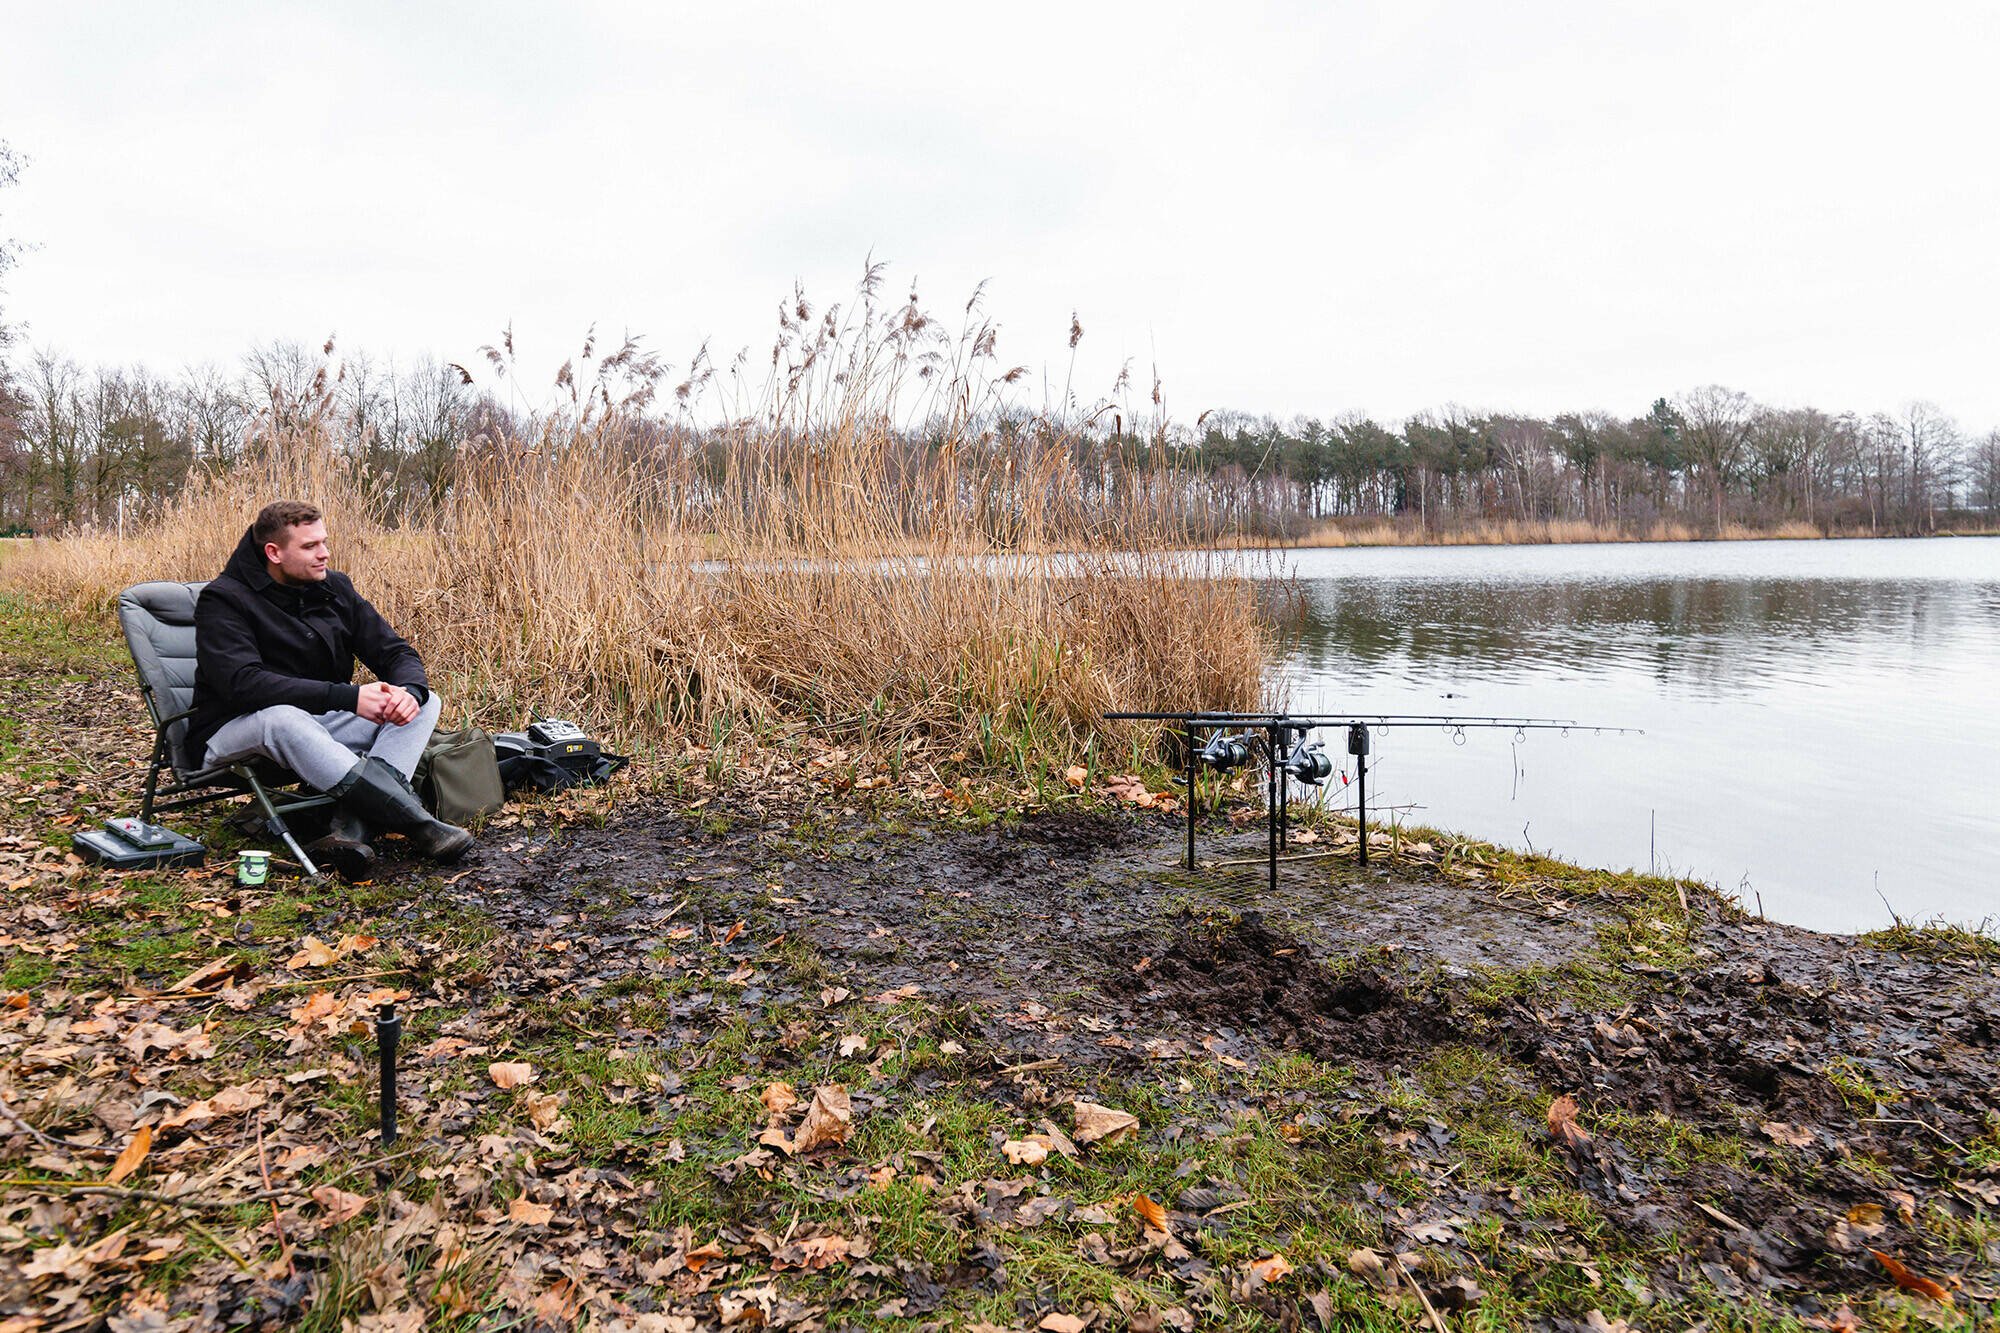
(300, 554)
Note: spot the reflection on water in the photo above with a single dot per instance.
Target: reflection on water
(1820, 731)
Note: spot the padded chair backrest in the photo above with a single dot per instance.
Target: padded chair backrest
(158, 620)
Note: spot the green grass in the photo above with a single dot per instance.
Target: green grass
(1938, 940)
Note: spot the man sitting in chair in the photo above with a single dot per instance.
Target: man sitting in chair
(276, 635)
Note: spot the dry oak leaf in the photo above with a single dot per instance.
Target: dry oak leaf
(701, 1255)
(511, 1073)
(1909, 1281)
(59, 1260)
(315, 952)
(545, 1111)
(830, 1119)
(1154, 1216)
(528, 1211)
(1075, 775)
(230, 1101)
(1792, 1136)
(1562, 1123)
(1057, 1322)
(1599, 1322)
(1096, 1123)
(339, 1204)
(1025, 1152)
(1270, 1268)
(134, 1154)
(778, 1098)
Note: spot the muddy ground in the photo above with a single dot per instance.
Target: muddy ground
(1861, 1083)
(1581, 1092)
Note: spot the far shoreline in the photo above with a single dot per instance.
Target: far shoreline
(1339, 534)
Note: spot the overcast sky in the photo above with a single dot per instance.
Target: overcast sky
(1309, 208)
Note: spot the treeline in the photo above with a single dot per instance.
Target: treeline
(1708, 460)
(94, 447)
(98, 446)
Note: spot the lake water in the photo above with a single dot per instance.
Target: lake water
(1822, 718)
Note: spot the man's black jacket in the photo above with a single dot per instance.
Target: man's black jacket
(258, 642)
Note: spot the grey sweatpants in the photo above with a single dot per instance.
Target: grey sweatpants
(323, 747)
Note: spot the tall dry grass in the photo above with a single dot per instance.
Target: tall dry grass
(803, 561)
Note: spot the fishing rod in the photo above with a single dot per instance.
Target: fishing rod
(1288, 753)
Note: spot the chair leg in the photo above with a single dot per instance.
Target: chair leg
(152, 789)
(277, 821)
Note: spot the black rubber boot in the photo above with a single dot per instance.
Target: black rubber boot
(376, 793)
(344, 846)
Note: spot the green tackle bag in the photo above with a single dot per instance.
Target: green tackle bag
(459, 777)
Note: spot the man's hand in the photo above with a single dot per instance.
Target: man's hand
(392, 704)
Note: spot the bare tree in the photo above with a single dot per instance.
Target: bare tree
(1715, 431)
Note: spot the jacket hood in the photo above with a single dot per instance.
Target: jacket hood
(246, 562)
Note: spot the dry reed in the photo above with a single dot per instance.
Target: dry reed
(815, 560)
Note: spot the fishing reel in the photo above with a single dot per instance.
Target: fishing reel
(1225, 752)
(1309, 763)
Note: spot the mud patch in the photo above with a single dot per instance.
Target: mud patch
(1055, 838)
(1249, 978)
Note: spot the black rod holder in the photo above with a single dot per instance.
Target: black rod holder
(1357, 745)
(388, 1032)
(1193, 771)
(1271, 798)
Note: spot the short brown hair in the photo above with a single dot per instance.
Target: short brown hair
(274, 518)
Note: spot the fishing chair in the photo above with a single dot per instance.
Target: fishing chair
(158, 620)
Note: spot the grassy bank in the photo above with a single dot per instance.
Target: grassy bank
(1461, 1089)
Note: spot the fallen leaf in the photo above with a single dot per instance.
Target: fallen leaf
(696, 1258)
(134, 1154)
(852, 1044)
(1270, 1268)
(1909, 1281)
(511, 1073)
(1906, 1206)
(1598, 1322)
(1368, 1266)
(1562, 1123)
(1792, 1136)
(230, 1101)
(1025, 1152)
(545, 1110)
(778, 1098)
(830, 1119)
(529, 1212)
(1150, 1212)
(1076, 775)
(315, 952)
(314, 1007)
(1865, 1214)
(1057, 1322)
(1096, 1123)
(339, 1204)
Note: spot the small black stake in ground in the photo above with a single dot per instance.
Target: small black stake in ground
(388, 1031)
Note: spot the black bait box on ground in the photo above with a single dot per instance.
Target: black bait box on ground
(128, 844)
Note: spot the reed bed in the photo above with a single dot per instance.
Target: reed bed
(815, 566)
